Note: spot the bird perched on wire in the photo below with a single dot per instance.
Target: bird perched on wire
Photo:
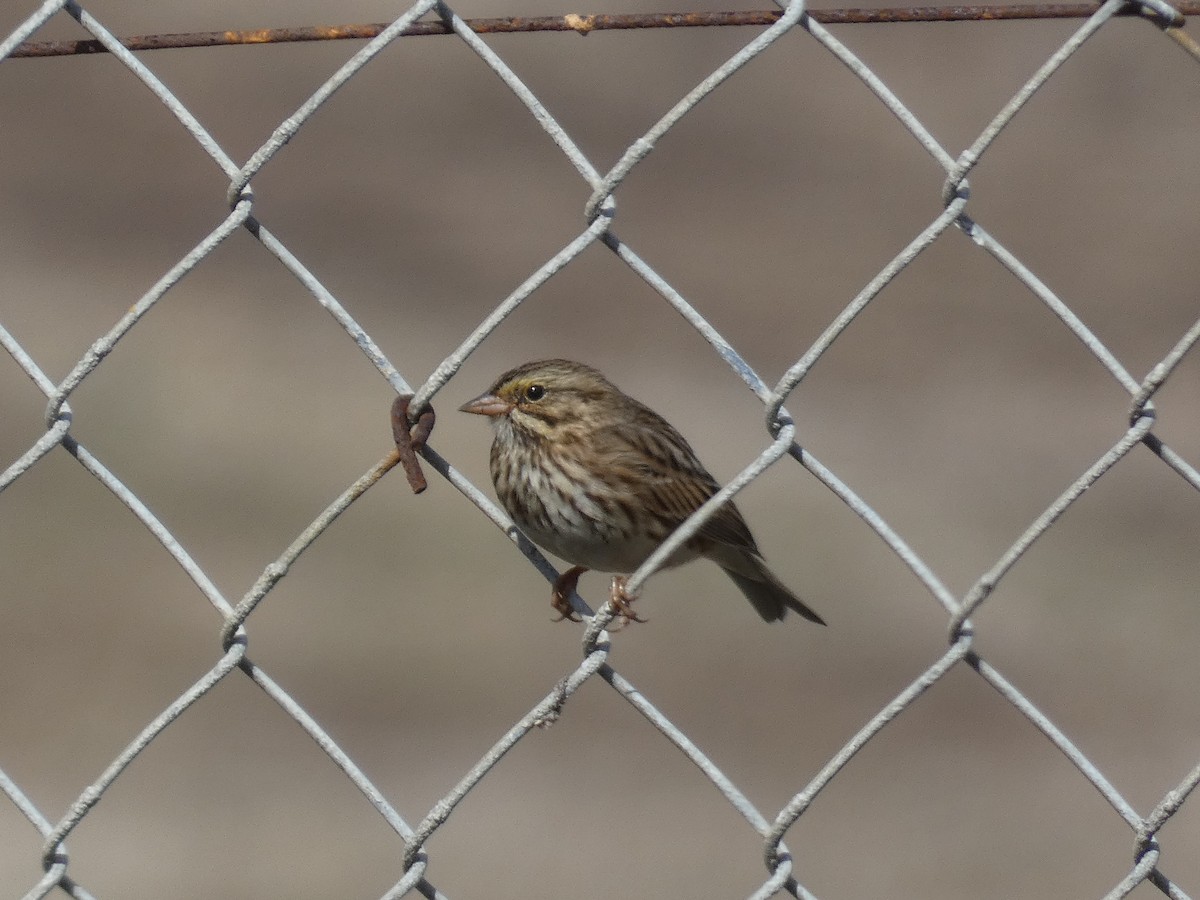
(600, 479)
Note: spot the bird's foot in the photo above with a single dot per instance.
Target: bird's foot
(560, 596)
(622, 601)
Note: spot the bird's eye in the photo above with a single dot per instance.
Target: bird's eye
(535, 392)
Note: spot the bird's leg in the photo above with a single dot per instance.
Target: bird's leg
(622, 601)
(560, 596)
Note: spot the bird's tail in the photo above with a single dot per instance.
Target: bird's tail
(769, 596)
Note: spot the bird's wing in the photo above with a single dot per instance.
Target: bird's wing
(672, 483)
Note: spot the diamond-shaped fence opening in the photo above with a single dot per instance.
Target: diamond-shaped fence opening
(976, 458)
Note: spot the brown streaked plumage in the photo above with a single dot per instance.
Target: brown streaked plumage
(599, 479)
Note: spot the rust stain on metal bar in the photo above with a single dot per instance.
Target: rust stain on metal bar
(585, 24)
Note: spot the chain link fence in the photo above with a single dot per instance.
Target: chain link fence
(1155, 858)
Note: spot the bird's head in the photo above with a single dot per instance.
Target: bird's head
(548, 397)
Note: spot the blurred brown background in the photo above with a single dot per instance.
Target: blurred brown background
(421, 195)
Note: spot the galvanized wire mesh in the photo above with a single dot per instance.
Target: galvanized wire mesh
(414, 865)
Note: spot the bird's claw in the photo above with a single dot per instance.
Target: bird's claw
(560, 596)
(622, 601)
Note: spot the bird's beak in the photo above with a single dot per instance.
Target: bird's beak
(487, 405)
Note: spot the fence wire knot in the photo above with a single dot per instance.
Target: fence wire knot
(410, 438)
